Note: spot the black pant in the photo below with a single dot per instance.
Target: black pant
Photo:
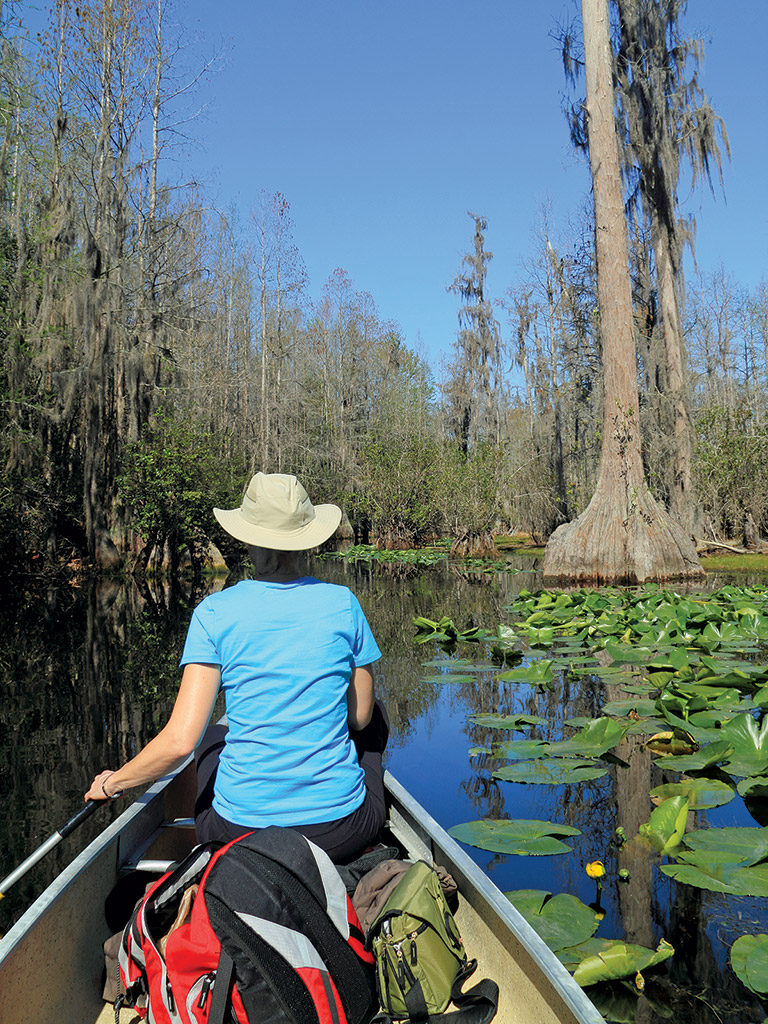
(343, 839)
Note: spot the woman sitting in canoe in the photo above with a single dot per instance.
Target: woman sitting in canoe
(293, 657)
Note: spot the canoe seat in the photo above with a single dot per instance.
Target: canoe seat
(170, 842)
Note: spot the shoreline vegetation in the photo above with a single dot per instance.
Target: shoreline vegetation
(715, 557)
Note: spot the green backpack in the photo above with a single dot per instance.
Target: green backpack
(421, 963)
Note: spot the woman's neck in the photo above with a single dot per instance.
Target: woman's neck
(271, 566)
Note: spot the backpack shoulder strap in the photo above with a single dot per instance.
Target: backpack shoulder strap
(478, 1004)
(221, 988)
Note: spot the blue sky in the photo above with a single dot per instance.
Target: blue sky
(384, 123)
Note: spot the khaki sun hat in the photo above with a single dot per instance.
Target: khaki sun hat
(276, 513)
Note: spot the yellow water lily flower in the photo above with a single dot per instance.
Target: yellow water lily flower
(595, 869)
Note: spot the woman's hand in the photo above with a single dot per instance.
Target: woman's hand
(101, 789)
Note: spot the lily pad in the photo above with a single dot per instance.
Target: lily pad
(620, 960)
(449, 677)
(671, 743)
(699, 793)
(757, 789)
(747, 845)
(750, 745)
(600, 735)
(561, 920)
(516, 722)
(725, 878)
(514, 836)
(644, 708)
(538, 672)
(749, 960)
(551, 771)
(629, 655)
(724, 860)
(521, 750)
(665, 828)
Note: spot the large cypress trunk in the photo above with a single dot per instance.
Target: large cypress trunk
(624, 536)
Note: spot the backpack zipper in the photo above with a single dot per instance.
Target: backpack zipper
(169, 995)
(208, 981)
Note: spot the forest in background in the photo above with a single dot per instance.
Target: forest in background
(158, 351)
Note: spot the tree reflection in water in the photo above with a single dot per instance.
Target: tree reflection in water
(89, 675)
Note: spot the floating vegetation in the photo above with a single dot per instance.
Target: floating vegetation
(551, 771)
(696, 692)
(700, 793)
(567, 926)
(434, 555)
(370, 553)
(522, 837)
(514, 722)
(726, 860)
(665, 828)
(749, 960)
(446, 632)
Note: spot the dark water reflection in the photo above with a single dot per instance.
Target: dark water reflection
(89, 675)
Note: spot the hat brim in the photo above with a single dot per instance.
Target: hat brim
(320, 529)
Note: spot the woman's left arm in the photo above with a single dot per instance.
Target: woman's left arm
(175, 741)
(360, 697)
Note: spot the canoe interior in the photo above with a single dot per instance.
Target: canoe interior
(52, 965)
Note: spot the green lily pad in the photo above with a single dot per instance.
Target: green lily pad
(600, 735)
(665, 828)
(699, 793)
(750, 745)
(672, 743)
(551, 771)
(749, 960)
(514, 836)
(620, 960)
(561, 920)
(449, 677)
(724, 860)
(757, 788)
(521, 750)
(725, 877)
(629, 655)
(516, 722)
(645, 708)
(538, 672)
(747, 845)
(714, 881)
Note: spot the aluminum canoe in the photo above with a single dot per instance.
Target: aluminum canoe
(52, 963)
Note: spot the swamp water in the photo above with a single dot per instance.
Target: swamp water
(89, 674)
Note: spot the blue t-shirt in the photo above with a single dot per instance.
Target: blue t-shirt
(286, 652)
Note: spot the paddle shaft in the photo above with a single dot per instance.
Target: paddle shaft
(46, 847)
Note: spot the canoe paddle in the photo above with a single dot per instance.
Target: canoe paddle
(48, 845)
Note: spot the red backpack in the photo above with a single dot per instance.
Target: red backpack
(272, 939)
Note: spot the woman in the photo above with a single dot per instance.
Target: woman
(293, 657)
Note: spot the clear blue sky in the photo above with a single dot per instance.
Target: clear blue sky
(384, 123)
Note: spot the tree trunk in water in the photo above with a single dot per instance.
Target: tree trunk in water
(474, 545)
(623, 536)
